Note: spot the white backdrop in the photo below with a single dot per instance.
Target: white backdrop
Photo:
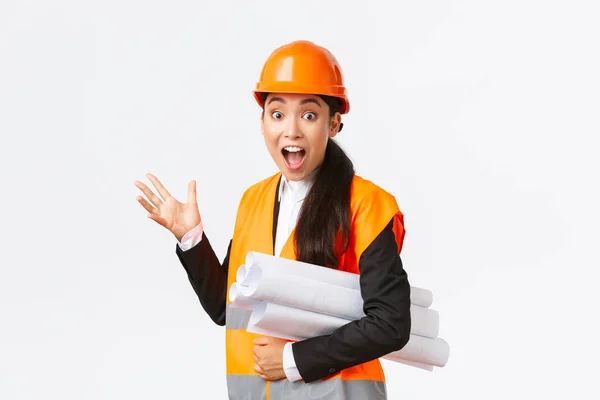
(481, 117)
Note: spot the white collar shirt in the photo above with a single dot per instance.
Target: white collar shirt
(291, 196)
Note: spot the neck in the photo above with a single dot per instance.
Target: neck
(309, 178)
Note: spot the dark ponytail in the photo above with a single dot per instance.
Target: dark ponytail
(323, 229)
(324, 220)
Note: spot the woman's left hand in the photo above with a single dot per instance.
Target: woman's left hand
(268, 356)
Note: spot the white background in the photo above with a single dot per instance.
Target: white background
(482, 118)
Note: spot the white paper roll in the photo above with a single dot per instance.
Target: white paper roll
(238, 300)
(423, 350)
(418, 296)
(421, 297)
(299, 268)
(294, 324)
(240, 275)
(299, 293)
(271, 285)
(424, 321)
(292, 321)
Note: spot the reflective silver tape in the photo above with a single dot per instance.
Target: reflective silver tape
(333, 389)
(247, 387)
(236, 318)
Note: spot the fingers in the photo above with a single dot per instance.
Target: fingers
(164, 193)
(147, 206)
(262, 374)
(258, 358)
(262, 340)
(192, 192)
(149, 194)
(258, 369)
(263, 368)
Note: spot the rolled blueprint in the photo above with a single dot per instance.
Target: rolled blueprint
(240, 275)
(321, 298)
(299, 268)
(295, 324)
(418, 296)
(296, 291)
(238, 300)
(423, 350)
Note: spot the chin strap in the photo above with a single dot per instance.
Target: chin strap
(341, 126)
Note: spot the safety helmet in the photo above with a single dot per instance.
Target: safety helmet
(302, 67)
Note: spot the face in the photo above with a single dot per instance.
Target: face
(296, 128)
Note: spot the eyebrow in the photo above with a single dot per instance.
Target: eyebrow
(305, 101)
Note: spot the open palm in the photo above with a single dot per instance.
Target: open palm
(179, 218)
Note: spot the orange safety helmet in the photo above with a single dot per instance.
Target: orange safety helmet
(302, 67)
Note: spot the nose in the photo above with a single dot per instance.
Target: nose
(293, 129)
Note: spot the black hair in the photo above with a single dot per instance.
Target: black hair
(323, 231)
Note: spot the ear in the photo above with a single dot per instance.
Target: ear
(262, 123)
(335, 124)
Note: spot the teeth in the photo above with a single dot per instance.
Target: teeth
(292, 149)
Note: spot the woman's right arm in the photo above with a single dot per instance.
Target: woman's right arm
(207, 276)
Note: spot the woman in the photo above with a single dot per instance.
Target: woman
(314, 209)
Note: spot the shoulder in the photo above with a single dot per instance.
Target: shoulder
(372, 209)
(365, 193)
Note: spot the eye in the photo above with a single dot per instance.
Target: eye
(309, 116)
(276, 115)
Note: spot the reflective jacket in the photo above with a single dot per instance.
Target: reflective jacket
(329, 365)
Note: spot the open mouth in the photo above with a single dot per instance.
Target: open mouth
(293, 156)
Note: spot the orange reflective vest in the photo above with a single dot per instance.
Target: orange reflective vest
(371, 208)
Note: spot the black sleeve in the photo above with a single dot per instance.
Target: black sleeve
(385, 328)
(207, 276)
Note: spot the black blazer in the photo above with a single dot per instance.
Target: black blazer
(384, 287)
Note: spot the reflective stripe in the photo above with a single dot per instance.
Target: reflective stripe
(236, 318)
(247, 387)
(333, 389)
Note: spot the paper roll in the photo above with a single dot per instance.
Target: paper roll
(240, 275)
(299, 293)
(295, 324)
(296, 301)
(418, 296)
(423, 350)
(271, 285)
(238, 300)
(299, 268)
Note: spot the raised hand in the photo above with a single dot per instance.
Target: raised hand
(179, 218)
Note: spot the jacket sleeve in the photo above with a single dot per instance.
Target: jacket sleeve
(207, 276)
(385, 328)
